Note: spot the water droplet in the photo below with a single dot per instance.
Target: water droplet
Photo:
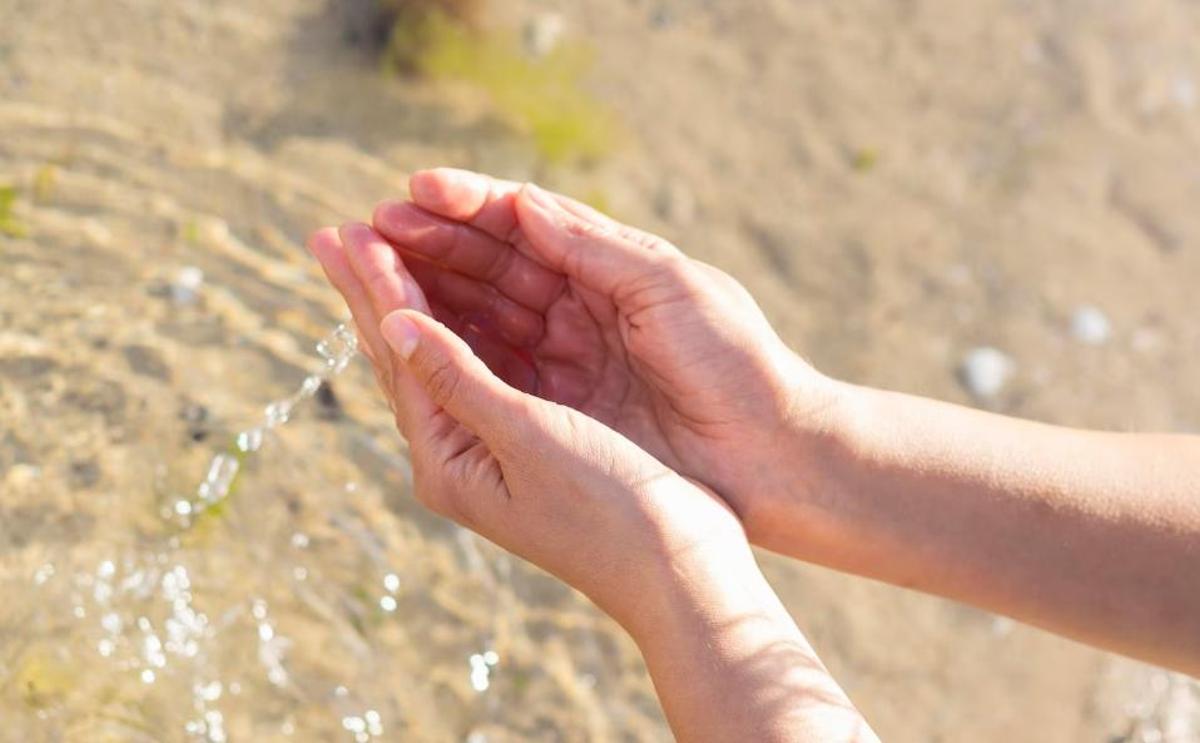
(277, 413)
(311, 384)
(217, 482)
(481, 670)
(387, 603)
(111, 622)
(43, 574)
(250, 440)
(209, 692)
(391, 582)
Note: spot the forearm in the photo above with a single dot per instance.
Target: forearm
(1092, 535)
(729, 664)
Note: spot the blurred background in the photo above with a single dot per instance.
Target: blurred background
(993, 202)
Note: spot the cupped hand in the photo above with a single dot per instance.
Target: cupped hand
(542, 480)
(565, 303)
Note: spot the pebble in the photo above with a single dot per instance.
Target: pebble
(185, 288)
(543, 33)
(985, 370)
(147, 361)
(675, 202)
(197, 419)
(328, 406)
(1090, 325)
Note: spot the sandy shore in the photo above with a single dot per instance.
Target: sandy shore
(897, 183)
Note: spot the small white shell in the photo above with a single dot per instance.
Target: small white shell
(1090, 325)
(985, 370)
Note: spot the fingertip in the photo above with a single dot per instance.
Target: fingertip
(401, 332)
(405, 223)
(383, 217)
(355, 235)
(322, 241)
(423, 184)
(451, 192)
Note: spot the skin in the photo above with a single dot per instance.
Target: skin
(577, 498)
(1095, 536)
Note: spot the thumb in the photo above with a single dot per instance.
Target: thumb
(454, 378)
(600, 253)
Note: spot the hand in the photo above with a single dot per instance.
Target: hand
(565, 303)
(541, 480)
(664, 557)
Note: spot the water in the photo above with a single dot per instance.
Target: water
(1162, 707)
(241, 612)
(336, 350)
(160, 297)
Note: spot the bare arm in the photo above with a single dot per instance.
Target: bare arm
(729, 663)
(663, 556)
(1095, 536)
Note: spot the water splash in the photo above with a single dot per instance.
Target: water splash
(481, 669)
(335, 350)
(1166, 710)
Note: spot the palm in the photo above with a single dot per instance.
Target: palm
(656, 358)
(579, 359)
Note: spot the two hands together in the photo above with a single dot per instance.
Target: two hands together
(589, 398)
(586, 396)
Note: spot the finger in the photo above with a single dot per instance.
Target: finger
(482, 201)
(381, 271)
(598, 252)
(455, 379)
(517, 324)
(326, 247)
(468, 250)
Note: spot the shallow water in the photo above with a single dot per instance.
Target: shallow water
(309, 595)
(169, 159)
(158, 301)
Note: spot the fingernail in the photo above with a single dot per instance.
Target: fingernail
(400, 333)
(354, 235)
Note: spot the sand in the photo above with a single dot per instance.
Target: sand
(897, 183)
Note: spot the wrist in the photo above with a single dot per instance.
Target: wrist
(701, 591)
(803, 453)
(729, 663)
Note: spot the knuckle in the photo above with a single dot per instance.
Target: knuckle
(442, 381)
(657, 246)
(680, 271)
(586, 231)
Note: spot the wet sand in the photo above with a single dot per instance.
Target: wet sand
(896, 183)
